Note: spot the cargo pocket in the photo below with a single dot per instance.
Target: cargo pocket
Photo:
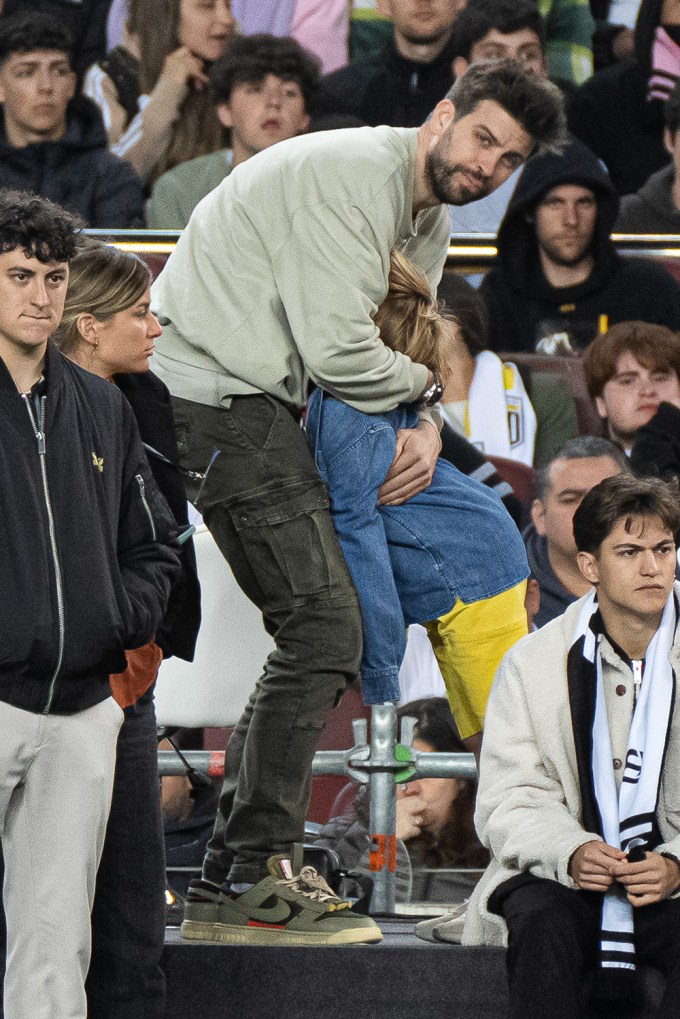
(290, 543)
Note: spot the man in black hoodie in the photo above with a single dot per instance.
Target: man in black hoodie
(402, 86)
(52, 142)
(559, 280)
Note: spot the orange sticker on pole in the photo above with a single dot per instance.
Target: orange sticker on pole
(383, 853)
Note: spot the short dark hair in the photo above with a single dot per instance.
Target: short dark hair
(250, 58)
(671, 110)
(656, 347)
(466, 305)
(34, 30)
(505, 16)
(535, 103)
(40, 228)
(624, 497)
(583, 447)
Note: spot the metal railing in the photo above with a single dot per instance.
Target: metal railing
(475, 251)
(381, 762)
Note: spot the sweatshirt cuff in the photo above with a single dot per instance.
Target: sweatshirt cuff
(419, 381)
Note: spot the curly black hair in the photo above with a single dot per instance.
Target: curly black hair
(42, 229)
(33, 30)
(250, 58)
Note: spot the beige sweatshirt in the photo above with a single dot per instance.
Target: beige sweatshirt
(277, 276)
(528, 809)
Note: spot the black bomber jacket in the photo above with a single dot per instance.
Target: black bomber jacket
(87, 543)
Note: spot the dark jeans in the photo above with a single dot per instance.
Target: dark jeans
(553, 944)
(125, 980)
(267, 509)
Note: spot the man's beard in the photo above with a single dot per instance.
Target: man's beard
(570, 261)
(441, 177)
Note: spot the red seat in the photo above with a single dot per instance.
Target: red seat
(518, 475)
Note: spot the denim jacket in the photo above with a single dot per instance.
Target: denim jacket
(409, 563)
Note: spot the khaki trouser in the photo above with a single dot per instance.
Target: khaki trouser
(56, 776)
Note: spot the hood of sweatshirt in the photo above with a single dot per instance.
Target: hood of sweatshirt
(84, 131)
(657, 192)
(517, 245)
(554, 596)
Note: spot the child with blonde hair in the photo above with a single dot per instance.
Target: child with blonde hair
(450, 557)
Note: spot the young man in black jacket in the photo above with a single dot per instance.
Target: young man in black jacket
(52, 141)
(87, 561)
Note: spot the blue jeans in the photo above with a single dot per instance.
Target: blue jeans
(267, 509)
(125, 980)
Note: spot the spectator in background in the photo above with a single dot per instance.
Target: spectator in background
(320, 26)
(84, 19)
(483, 400)
(561, 484)
(558, 277)
(405, 82)
(500, 409)
(264, 88)
(153, 90)
(569, 26)
(52, 141)
(630, 371)
(656, 447)
(434, 820)
(619, 112)
(500, 30)
(655, 208)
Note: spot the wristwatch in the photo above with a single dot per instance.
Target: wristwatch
(434, 391)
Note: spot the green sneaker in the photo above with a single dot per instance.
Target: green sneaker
(285, 908)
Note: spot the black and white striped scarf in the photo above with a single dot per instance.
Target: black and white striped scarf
(626, 819)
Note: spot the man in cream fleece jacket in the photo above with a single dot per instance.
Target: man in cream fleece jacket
(579, 792)
(274, 283)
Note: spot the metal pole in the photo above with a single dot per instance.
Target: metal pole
(383, 807)
(326, 762)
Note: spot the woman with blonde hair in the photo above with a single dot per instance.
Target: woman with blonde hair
(450, 557)
(109, 329)
(153, 90)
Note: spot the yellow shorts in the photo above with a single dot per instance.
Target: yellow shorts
(469, 642)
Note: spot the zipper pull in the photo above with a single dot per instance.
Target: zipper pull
(40, 436)
(637, 680)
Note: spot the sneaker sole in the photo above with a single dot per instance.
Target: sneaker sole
(226, 934)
